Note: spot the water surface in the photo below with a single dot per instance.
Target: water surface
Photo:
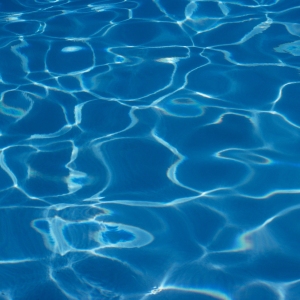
(150, 149)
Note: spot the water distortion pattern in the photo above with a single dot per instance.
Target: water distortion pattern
(150, 149)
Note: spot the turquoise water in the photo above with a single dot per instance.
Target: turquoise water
(150, 150)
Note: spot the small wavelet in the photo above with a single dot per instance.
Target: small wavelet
(72, 49)
(224, 8)
(291, 48)
(182, 107)
(61, 236)
(23, 27)
(190, 9)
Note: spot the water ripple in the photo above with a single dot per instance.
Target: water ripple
(149, 149)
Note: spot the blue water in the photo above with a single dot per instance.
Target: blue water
(150, 149)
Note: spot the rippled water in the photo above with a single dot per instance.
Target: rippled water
(150, 149)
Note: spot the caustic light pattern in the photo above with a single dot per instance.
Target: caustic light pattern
(149, 149)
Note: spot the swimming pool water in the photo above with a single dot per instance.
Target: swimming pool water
(150, 149)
